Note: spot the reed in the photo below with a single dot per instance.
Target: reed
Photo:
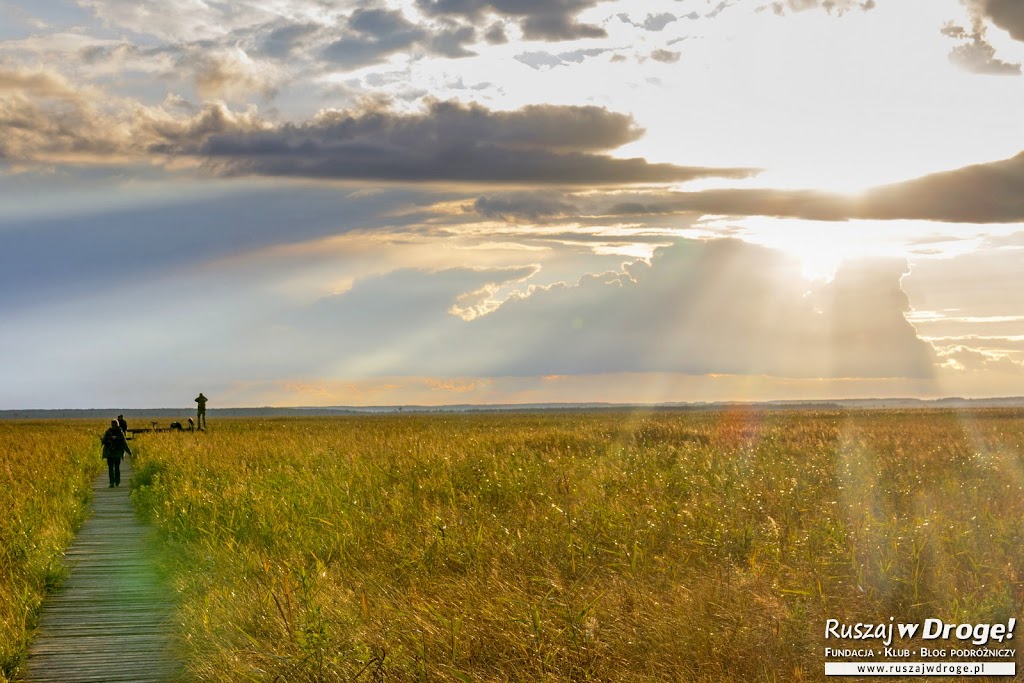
(45, 483)
(641, 546)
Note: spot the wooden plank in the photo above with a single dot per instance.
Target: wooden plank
(112, 620)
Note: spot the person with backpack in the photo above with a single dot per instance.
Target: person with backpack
(114, 448)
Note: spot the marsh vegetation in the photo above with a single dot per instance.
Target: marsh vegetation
(641, 546)
(672, 546)
(45, 478)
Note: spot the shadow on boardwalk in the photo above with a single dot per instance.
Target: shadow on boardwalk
(111, 620)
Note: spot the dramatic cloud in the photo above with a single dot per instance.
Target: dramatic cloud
(699, 307)
(977, 55)
(983, 193)
(538, 19)
(295, 174)
(42, 114)
(236, 37)
(373, 34)
(449, 141)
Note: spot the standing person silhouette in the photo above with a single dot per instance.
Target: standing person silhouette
(114, 448)
(201, 411)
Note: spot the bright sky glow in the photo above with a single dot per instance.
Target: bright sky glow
(293, 202)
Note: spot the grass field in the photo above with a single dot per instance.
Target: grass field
(668, 546)
(45, 477)
(673, 546)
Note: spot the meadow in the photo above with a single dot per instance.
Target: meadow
(45, 477)
(650, 546)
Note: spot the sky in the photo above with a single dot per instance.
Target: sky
(324, 202)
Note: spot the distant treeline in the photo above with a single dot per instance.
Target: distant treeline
(269, 411)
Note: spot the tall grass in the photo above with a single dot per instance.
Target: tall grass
(565, 547)
(46, 469)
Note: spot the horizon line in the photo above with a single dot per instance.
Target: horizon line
(994, 401)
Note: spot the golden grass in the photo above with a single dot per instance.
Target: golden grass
(664, 546)
(45, 476)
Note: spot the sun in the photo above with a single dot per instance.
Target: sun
(823, 246)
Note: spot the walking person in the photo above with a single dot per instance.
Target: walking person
(201, 411)
(114, 448)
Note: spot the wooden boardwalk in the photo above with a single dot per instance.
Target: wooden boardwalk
(111, 620)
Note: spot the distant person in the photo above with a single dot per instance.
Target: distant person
(201, 411)
(114, 448)
(123, 424)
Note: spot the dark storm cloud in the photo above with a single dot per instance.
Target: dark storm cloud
(538, 19)
(983, 193)
(448, 142)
